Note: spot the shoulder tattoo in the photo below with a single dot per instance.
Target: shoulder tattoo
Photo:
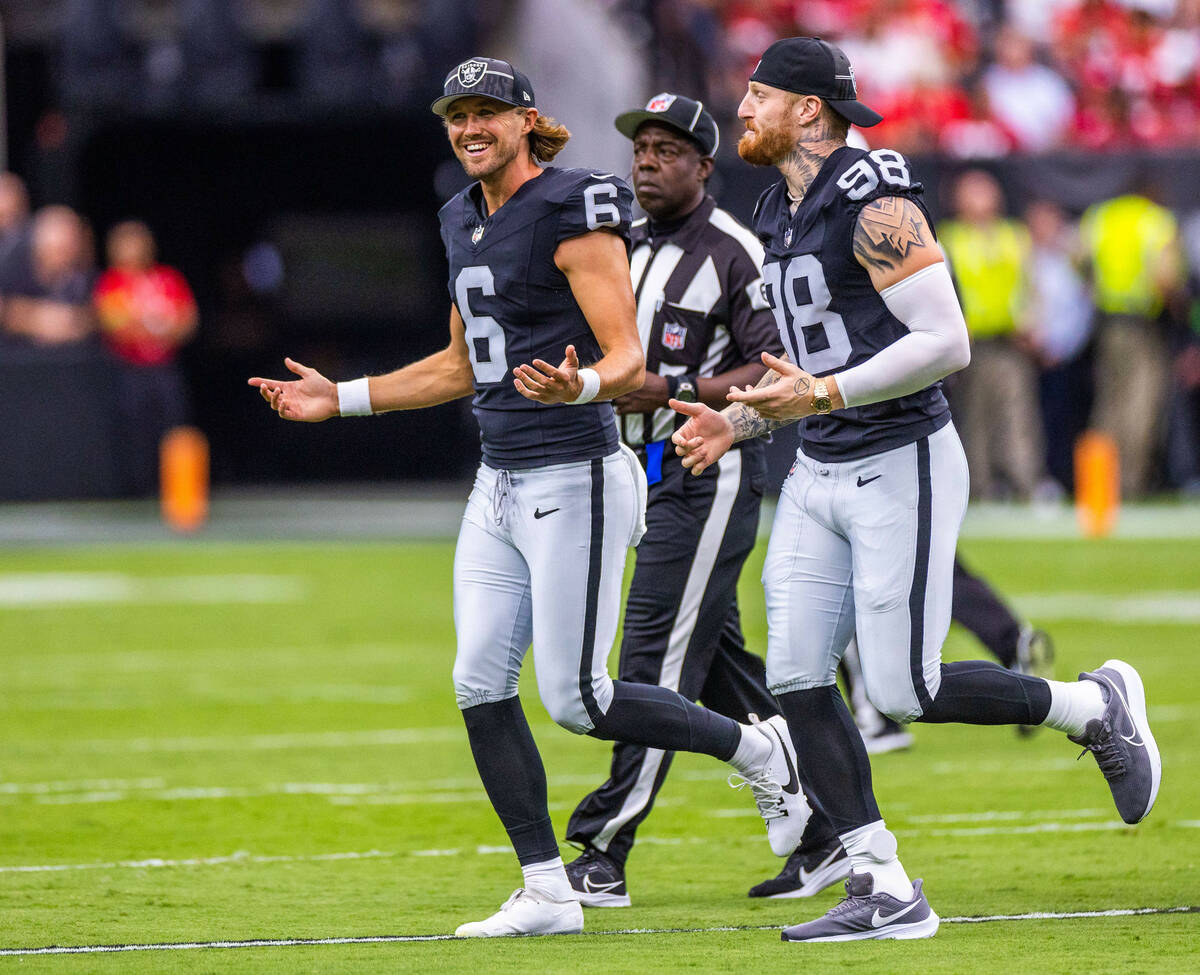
(887, 230)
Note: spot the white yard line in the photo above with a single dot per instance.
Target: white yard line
(244, 857)
(410, 938)
(59, 590)
(1180, 606)
(277, 742)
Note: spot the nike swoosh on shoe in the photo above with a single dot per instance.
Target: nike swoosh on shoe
(878, 920)
(592, 888)
(806, 876)
(793, 782)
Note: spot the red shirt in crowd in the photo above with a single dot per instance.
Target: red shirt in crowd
(144, 315)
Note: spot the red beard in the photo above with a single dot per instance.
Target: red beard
(764, 148)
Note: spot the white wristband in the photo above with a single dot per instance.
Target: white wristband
(591, 386)
(354, 397)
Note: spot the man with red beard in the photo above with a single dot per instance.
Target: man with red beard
(865, 531)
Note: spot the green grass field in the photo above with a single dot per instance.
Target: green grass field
(222, 742)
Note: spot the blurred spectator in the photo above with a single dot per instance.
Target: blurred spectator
(997, 392)
(146, 313)
(218, 66)
(977, 134)
(97, 55)
(1059, 323)
(1029, 99)
(14, 219)
(1183, 441)
(1132, 247)
(47, 293)
(335, 66)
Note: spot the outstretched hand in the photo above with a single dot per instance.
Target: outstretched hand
(704, 438)
(788, 398)
(310, 399)
(544, 383)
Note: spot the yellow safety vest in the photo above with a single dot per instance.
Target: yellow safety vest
(989, 266)
(1126, 238)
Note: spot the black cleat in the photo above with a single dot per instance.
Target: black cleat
(598, 879)
(809, 870)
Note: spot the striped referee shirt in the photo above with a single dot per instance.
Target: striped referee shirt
(700, 305)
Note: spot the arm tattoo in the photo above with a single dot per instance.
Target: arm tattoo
(801, 386)
(747, 422)
(887, 229)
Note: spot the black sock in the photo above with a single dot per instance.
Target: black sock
(977, 692)
(513, 776)
(657, 717)
(832, 760)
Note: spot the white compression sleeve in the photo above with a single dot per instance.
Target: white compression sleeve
(935, 346)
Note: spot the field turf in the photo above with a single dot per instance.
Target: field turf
(218, 742)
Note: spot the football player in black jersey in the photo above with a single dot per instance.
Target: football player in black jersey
(864, 535)
(539, 274)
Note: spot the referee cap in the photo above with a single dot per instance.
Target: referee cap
(685, 115)
(811, 66)
(487, 78)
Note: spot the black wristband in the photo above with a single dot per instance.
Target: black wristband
(672, 386)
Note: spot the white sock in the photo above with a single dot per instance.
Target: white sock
(872, 849)
(1073, 704)
(752, 751)
(549, 878)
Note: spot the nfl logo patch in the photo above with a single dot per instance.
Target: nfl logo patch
(476, 234)
(469, 73)
(660, 103)
(674, 336)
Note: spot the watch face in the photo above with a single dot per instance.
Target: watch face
(685, 392)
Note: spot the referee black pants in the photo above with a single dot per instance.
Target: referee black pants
(682, 628)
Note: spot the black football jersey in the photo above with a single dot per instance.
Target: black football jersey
(518, 306)
(829, 314)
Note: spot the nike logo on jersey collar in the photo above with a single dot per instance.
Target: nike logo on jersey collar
(878, 920)
(539, 513)
(864, 481)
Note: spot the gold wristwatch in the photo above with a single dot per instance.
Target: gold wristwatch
(821, 402)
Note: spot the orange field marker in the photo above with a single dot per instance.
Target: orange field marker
(183, 465)
(1097, 483)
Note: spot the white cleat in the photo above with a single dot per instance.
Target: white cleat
(776, 788)
(526, 913)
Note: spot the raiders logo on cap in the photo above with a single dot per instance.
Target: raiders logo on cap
(469, 73)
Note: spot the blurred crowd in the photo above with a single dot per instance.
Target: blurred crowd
(972, 78)
(138, 311)
(165, 55)
(1093, 323)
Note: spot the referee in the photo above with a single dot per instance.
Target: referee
(703, 322)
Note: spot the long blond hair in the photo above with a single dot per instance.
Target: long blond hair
(547, 138)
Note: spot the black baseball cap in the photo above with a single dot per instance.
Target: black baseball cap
(487, 78)
(685, 115)
(811, 66)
